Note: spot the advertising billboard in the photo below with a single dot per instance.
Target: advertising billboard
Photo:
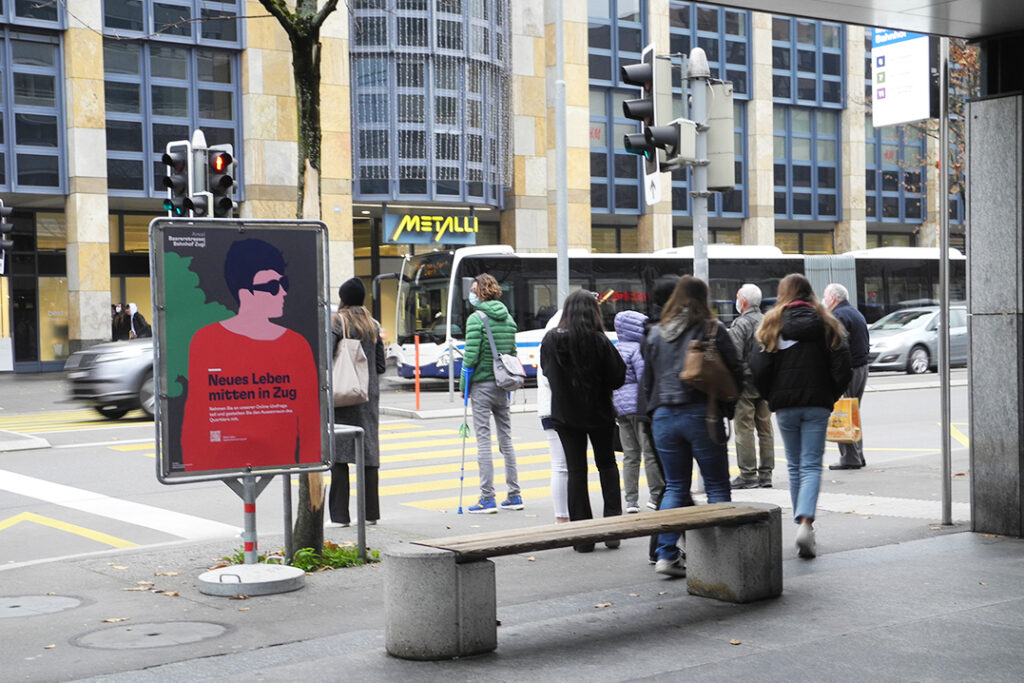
(241, 335)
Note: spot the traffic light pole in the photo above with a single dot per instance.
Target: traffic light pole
(561, 164)
(699, 74)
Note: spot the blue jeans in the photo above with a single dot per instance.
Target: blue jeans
(803, 435)
(680, 436)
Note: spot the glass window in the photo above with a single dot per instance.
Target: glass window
(121, 57)
(169, 101)
(35, 90)
(122, 97)
(31, 53)
(220, 25)
(172, 20)
(168, 62)
(214, 66)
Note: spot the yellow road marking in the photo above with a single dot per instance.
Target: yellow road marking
(456, 452)
(91, 534)
(413, 435)
(959, 436)
(134, 446)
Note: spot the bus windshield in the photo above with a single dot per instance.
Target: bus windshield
(423, 298)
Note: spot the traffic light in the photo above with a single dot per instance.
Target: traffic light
(220, 179)
(5, 230)
(654, 107)
(678, 139)
(178, 181)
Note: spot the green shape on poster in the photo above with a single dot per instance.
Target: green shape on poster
(187, 310)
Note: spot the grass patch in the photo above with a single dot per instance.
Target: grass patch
(334, 556)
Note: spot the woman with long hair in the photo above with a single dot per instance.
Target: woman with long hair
(801, 365)
(680, 411)
(353, 321)
(583, 368)
(485, 395)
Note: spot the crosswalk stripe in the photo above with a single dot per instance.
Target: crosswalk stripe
(456, 452)
(402, 436)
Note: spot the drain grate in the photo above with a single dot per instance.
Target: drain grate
(34, 605)
(146, 635)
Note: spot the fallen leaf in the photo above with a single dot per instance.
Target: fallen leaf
(136, 588)
(735, 642)
(982, 583)
(935, 528)
(51, 593)
(634, 595)
(244, 609)
(50, 646)
(219, 566)
(114, 620)
(171, 593)
(447, 527)
(157, 590)
(960, 474)
(529, 515)
(117, 566)
(663, 593)
(166, 573)
(531, 559)
(850, 512)
(145, 583)
(238, 597)
(474, 526)
(658, 607)
(601, 605)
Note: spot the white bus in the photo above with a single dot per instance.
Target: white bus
(433, 286)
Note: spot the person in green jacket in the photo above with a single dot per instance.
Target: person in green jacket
(487, 399)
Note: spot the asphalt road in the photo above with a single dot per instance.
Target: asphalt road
(95, 487)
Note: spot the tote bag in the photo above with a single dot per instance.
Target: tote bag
(350, 377)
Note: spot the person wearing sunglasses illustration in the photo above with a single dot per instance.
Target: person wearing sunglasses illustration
(253, 396)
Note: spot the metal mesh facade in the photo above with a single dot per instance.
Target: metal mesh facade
(431, 90)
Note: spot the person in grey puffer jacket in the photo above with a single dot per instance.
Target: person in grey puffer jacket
(634, 431)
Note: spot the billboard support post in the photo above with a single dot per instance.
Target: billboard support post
(248, 488)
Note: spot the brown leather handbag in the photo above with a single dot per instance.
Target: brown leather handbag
(705, 369)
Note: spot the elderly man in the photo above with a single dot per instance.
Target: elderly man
(752, 412)
(837, 298)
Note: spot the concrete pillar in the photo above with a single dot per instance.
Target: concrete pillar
(435, 608)
(654, 229)
(524, 222)
(759, 227)
(577, 90)
(851, 231)
(336, 159)
(88, 249)
(995, 287)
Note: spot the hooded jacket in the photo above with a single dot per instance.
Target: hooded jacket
(804, 372)
(478, 348)
(629, 326)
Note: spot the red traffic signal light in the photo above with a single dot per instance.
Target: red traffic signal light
(220, 179)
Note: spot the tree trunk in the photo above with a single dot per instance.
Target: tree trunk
(306, 69)
(309, 523)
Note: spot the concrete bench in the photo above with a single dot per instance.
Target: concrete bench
(439, 597)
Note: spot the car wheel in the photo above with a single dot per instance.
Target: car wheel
(147, 396)
(111, 412)
(918, 361)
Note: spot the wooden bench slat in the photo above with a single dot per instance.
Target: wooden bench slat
(474, 547)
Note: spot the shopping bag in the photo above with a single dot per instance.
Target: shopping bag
(844, 422)
(350, 375)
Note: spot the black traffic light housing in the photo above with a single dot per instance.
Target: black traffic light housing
(642, 109)
(220, 179)
(6, 243)
(178, 160)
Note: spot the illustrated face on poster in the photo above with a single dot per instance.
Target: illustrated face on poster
(251, 391)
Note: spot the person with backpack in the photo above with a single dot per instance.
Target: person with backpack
(684, 424)
(485, 395)
(634, 430)
(353, 321)
(583, 369)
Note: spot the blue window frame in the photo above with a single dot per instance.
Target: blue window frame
(34, 13)
(807, 163)
(617, 35)
(166, 74)
(724, 34)
(895, 177)
(808, 62)
(32, 130)
(430, 93)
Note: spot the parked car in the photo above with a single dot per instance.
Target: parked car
(114, 377)
(908, 339)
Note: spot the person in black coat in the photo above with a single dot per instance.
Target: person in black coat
(583, 368)
(801, 365)
(683, 429)
(353, 321)
(837, 298)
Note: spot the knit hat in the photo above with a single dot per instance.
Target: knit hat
(352, 292)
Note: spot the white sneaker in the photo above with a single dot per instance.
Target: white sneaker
(673, 568)
(632, 509)
(651, 504)
(806, 547)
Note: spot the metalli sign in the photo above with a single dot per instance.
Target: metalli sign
(427, 229)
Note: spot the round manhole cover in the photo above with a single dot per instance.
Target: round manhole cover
(33, 605)
(137, 636)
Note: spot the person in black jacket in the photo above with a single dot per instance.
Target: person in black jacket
(837, 298)
(583, 368)
(801, 365)
(682, 432)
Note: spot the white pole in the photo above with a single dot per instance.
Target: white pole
(698, 73)
(561, 165)
(947, 467)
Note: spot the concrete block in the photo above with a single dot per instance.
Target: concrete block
(435, 608)
(737, 564)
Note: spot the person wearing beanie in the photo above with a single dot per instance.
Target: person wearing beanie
(355, 322)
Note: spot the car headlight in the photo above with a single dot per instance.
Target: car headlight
(882, 345)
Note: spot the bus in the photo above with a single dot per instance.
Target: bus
(433, 288)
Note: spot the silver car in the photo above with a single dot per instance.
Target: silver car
(908, 339)
(114, 378)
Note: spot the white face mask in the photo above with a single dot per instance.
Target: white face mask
(739, 309)
(474, 300)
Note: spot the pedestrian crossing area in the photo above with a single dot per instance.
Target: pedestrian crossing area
(68, 421)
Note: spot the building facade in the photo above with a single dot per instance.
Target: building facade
(430, 108)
